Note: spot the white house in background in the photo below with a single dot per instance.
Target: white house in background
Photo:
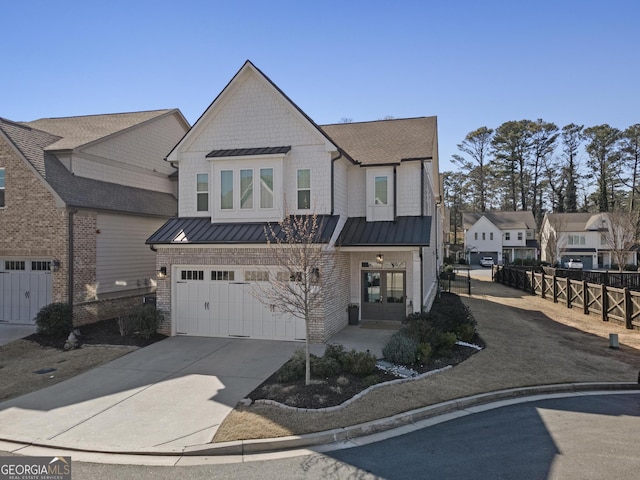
(505, 236)
(578, 235)
(254, 156)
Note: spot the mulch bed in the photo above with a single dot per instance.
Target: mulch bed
(100, 333)
(328, 392)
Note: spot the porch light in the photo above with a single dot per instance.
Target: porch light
(55, 265)
(162, 273)
(379, 258)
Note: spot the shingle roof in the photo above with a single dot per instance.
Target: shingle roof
(408, 231)
(200, 230)
(77, 131)
(386, 141)
(502, 220)
(78, 191)
(575, 222)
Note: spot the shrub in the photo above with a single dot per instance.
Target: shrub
(335, 351)
(294, 369)
(448, 269)
(145, 319)
(424, 352)
(55, 320)
(462, 261)
(401, 349)
(444, 342)
(325, 367)
(466, 333)
(125, 326)
(359, 363)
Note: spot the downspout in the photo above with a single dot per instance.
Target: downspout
(421, 280)
(72, 212)
(395, 194)
(333, 161)
(422, 188)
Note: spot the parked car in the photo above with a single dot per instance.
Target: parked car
(574, 264)
(486, 261)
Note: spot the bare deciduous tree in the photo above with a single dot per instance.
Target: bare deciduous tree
(303, 261)
(553, 237)
(621, 227)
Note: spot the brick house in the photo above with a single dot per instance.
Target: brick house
(375, 186)
(78, 198)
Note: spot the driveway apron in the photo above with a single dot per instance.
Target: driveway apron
(167, 396)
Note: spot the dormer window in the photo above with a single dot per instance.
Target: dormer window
(381, 187)
(304, 189)
(202, 192)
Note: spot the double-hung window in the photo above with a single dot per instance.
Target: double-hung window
(246, 189)
(381, 190)
(1, 187)
(226, 190)
(202, 192)
(266, 188)
(304, 189)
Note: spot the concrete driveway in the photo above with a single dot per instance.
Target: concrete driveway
(165, 397)
(11, 331)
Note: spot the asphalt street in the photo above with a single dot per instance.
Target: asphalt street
(579, 437)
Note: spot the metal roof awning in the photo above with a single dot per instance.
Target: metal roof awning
(246, 152)
(200, 230)
(580, 250)
(405, 231)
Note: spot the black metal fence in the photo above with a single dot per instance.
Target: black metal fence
(456, 282)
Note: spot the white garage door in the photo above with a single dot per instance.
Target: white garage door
(25, 287)
(216, 302)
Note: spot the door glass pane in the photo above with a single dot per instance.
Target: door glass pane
(395, 287)
(372, 287)
(246, 188)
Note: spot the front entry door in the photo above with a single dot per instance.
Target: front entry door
(383, 295)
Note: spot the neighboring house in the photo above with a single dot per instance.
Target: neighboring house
(253, 157)
(580, 236)
(505, 236)
(78, 198)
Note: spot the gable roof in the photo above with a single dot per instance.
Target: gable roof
(249, 66)
(74, 132)
(502, 220)
(81, 192)
(576, 222)
(386, 141)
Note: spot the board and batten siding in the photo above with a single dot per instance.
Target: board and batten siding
(124, 262)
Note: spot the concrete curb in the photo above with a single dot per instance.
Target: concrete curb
(345, 434)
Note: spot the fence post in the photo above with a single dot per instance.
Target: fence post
(585, 297)
(568, 292)
(543, 285)
(555, 289)
(627, 308)
(533, 281)
(469, 280)
(603, 290)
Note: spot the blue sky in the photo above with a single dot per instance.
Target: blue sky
(471, 63)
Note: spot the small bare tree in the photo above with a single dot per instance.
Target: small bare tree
(303, 262)
(554, 237)
(621, 228)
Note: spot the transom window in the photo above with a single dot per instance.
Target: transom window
(202, 192)
(1, 187)
(381, 191)
(40, 266)
(192, 274)
(256, 276)
(304, 189)
(14, 265)
(221, 275)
